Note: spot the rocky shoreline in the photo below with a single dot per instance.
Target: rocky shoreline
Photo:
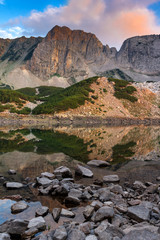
(15, 120)
(111, 211)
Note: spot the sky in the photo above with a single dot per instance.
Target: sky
(112, 21)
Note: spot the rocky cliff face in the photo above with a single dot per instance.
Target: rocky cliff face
(64, 57)
(68, 53)
(141, 54)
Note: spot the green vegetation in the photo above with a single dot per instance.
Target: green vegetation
(24, 111)
(122, 90)
(94, 97)
(48, 91)
(104, 90)
(27, 91)
(11, 96)
(4, 107)
(116, 73)
(71, 97)
(122, 152)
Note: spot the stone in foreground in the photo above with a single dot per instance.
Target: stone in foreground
(56, 214)
(43, 211)
(63, 171)
(19, 207)
(14, 185)
(98, 163)
(38, 223)
(139, 213)
(84, 172)
(14, 227)
(141, 235)
(103, 213)
(48, 175)
(111, 179)
(67, 213)
(4, 236)
(60, 234)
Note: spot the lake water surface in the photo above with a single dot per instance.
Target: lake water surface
(133, 154)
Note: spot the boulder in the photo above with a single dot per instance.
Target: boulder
(12, 172)
(60, 234)
(91, 237)
(111, 179)
(38, 223)
(67, 213)
(30, 233)
(96, 204)
(48, 175)
(56, 214)
(139, 213)
(42, 211)
(75, 193)
(140, 235)
(98, 163)
(14, 227)
(88, 212)
(72, 201)
(84, 172)
(4, 236)
(63, 171)
(103, 213)
(43, 181)
(76, 234)
(19, 207)
(14, 185)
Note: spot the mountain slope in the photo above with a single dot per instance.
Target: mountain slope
(65, 57)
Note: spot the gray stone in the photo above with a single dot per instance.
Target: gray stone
(14, 227)
(111, 179)
(42, 211)
(30, 232)
(76, 234)
(91, 237)
(75, 193)
(56, 214)
(102, 227)
(96, 204)
(85, 227)
(139, 213)
(19, 207)
(141, 226)
(103, 213)
(104, 194)
(43, 181)
(4, 236)
(104, 236)
(63, 171)
(84, 172)
(98, 163)
(48, 175)
(38, 223)
(122, 208)
(88, 212)
(72, 200)
(12, 172)
(117, 189)
(141, 235)
(139, 185)
(14, 185)
(67, 213)
(60, 234)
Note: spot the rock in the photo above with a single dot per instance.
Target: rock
(67, 213)
(38, 223)
(14, 227)
(111, 179)
(122, 208)
(14, 197)
(104, 236)
(134, 202)
(56, 214)
(63, 171)
(104, 194)
(4, 236)
(12, 172)
(91, 237)
(48, 175)
(98, 163)
(70, 200)
(141, 226)
(141, 235)
(75, 193)
(109, 204)
(85, 227)
(103, 213)
(30, 232)
(96, 204)
(60, 234)
(42, 211)
(84, 172)
(14, 185)
(139, 185)
(43, 181)
(102, 227)
(76, 234)
(158, 178)
(19, 207)
(139, 213)
(88, 212)
(117, 189)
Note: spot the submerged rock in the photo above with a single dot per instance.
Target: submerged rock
(19, 207)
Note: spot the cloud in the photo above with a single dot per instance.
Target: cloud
(1, 1)
(111, 20)
(11, 32)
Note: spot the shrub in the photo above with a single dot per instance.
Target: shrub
(104, 90)
(94, 97)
